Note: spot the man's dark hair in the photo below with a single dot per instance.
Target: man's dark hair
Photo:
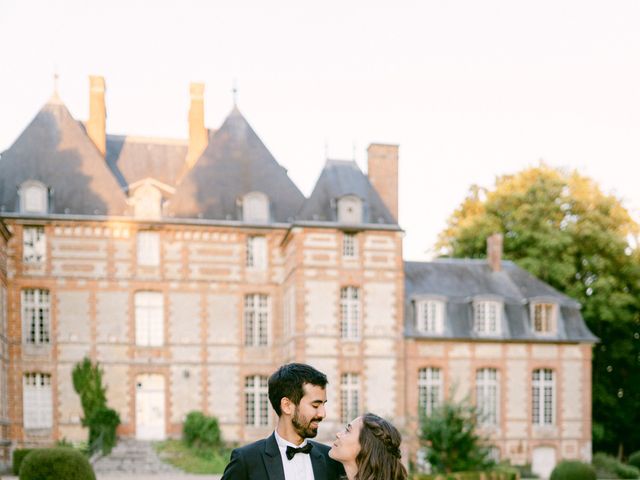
(288, 382)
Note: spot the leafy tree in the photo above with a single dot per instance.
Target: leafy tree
(451, 440)
(563, 229)
(101, 420)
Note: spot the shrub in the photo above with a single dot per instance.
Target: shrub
(502, 474)
(18, 457)
(634, 459)
(608, 466)
(56, 464)
(201, 431)
(573, 470)
(627, 471)
(103, 424)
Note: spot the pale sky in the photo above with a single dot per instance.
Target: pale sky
(469, 89)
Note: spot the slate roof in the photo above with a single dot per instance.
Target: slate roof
(340, 178)
(55, 150)
(133, 158)
(235, 163)
(459, 281)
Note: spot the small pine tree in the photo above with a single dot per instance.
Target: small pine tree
(451, 440)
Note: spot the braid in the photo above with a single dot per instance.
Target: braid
(379, 457)
(385, 437)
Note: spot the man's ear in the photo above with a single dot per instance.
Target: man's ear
(286, 406)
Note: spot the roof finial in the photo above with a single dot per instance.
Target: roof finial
(234, 91)
(55, 98)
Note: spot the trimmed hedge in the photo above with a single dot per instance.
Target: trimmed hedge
(60, 463)
(634, 459)
(608, 466)
(502, 474)
(573, 470)
(18, 457)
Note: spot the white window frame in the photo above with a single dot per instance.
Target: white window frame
(430, 316)
(255, 207)
(36, 316)
(487, 317)
(256, 401)
(256, 319)
(149, 318)
(34, 197)
(289, 312)
(544, 317)
(37, 402)
(34, 245)
(349, 245)
(349, 396)
(488, 396)
(350, 313)
(256, 258)
(350, 209)
(430, 389)
(148, 248)
(543, 397)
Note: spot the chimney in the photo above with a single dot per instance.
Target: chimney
(383, 174)
(198, 137)
(97, 124)
(494, 251)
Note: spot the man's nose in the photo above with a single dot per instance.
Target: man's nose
(322, 412)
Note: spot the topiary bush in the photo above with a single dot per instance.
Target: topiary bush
(573, 470)
(18, 457)
(103, 424)
(201, 431)
(60, 463)
(634, 459)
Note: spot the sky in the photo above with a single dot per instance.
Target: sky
(469, 89)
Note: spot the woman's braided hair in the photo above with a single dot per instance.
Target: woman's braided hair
(379, 457)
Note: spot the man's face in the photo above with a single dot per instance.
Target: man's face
(310, 412)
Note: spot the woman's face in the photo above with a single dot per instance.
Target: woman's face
(346, 447)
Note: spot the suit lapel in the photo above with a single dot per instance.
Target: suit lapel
(273, 460)
(319, 464)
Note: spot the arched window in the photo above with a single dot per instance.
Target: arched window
(255, 207)
(349, 209)
(34, 197)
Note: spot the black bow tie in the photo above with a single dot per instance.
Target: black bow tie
(291, 451)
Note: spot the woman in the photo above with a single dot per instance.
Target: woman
(369, 449)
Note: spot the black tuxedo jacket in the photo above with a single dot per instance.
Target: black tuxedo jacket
(261, 460)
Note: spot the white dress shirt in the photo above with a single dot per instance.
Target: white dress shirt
(299, 467)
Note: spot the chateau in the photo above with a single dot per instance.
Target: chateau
(191, 269)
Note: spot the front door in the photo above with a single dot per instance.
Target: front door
(150, 407)
(543, 461)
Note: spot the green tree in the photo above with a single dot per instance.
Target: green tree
(563, 229)
(101, 420)
(450, 438)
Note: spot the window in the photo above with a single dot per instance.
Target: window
(349, 245)
(349, 313)
(148, 248)
(34, 245)
(349, 209)
(487, 395)
(487, 317)
(544, 318)
(543, 397)
(430, 316)
(255, 207)
(35, 316)
(36, 399)
(149, 319)
(349, 396)
(256, 320)
(289, 312)
(256, 253)
(34, 197)
(429, 389)
(256, 401)
(147, 202)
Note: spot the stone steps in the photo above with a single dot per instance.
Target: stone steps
(131, 457)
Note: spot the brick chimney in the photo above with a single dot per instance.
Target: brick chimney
(198, 137)
(494, 251)
(383, 174)
(97, 124)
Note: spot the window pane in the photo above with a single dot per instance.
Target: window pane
(148, 248)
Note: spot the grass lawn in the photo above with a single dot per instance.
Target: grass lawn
(191, 460)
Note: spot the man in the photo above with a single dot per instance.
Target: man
(297, 393)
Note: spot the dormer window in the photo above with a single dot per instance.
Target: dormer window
(543, 317)
(255, 207)
(487, 317)
(34, 197)
(430, 316)
(350, 209)
(147, 201)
